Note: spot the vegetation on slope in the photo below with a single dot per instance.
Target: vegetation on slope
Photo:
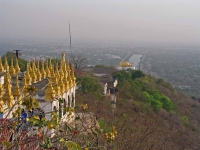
(135, 83)
(149, 114)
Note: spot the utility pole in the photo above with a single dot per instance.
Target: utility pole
(16, 52)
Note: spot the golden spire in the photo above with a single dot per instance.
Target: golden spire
(61, 73)
(61, 70)
(1, 89)
(1, 66)
(64, 67)
(60, 82)
(8, 97)
(38, 71)
(43, 71)
(47, 69)
(24, 81)
(49, 92)
(6, 79)
(52, 70)
(57, 71)
(57, 87)
(28, 77)
(17, 92)
(34, 66)
(1, 105)
(73, 77)
(6, 64)
(24, 87)
(12, 69)
(53, 77)
(33, 72)
(68, 65)
(69, 79)
(63, 59)
(17, 69)
(29, 68)
(1, 93)
(65, 80)
(50, 64)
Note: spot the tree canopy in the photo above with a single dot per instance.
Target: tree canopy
(89, 84)
(134, 83)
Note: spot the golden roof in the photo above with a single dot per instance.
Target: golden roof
(124, 64)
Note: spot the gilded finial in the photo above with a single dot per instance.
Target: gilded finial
(47, 69)
(65, 80)
(57, 87)
(49, 92)
(50, 64)
(69, 79)
(53, 77)
(63, 58)
(1, 89)
(1, 66)
(6, 79)
(17, 69)
(17, 92)
(1, 105)
(60, 82)
(57, 71)
(24, 83)
(34, 65)
(43, 71)
(33, 72)
(12, 69)
(28, 77)
(8, 97)
(73, 76)
(38, 71)
(6, 67)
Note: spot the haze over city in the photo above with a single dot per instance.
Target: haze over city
(100, 74)
(130, 21)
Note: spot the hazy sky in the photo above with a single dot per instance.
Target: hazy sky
(102, 20)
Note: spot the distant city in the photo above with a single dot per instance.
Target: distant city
(179, 66)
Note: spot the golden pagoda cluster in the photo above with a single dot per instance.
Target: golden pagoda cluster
(61, 79)
(8, 96)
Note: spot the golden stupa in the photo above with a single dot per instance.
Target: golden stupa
(124, 64)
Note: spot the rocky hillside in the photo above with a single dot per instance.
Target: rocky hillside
(149, 114)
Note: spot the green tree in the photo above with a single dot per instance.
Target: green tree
(167, 104)
(157, 105)
(136, 74)
(89, 84)
(122, 75)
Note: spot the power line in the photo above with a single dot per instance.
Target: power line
(62, 43)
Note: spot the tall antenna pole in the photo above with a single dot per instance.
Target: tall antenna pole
(70, 39)
(16, 52)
